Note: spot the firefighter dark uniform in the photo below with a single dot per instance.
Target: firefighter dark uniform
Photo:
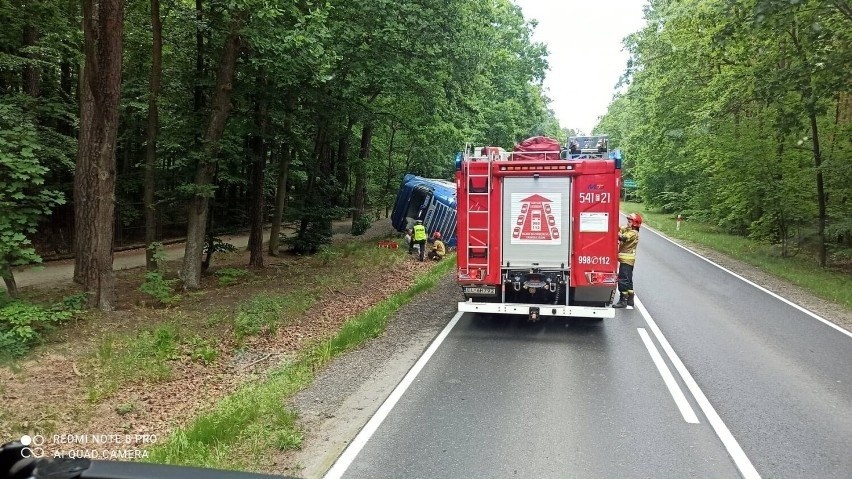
(628, 240)
(420, 238)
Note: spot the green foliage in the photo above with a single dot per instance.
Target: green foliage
(201, 350)
(219, 246)
(144, 356)
(229, 276)
(23, 198)
(158, 253)
(24, 324)
(75, 302)
(5, 299)
(362, 225)
(161, 343)
(436, 72)
(351, 248)
(317, 231)
(159, 288)
(263, 314)
(327, 255)
(125, 408)
(733, 138)
(189, 190)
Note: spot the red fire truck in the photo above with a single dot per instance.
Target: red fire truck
(538, 228)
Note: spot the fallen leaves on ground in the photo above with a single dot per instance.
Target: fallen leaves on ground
(46, 396)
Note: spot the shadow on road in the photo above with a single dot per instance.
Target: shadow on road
(519, 328)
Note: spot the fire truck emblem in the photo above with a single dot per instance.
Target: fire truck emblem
(537, 218)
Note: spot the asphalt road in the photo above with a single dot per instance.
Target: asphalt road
(711, 377)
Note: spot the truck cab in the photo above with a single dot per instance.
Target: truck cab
(430, 200)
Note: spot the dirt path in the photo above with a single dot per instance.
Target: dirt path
(62, 272)
(56, 272)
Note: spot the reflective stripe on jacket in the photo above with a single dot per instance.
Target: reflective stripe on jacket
(439, 248)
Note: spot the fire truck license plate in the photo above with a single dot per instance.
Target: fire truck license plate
(480, 290)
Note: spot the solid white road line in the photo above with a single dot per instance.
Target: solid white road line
(345, 459)
(677, 394)
(734, 450)
(800, 308)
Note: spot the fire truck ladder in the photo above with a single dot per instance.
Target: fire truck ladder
(478, 260)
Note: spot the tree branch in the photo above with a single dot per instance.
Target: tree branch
(844, 9)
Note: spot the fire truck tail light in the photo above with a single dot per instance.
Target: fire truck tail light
(599, 277)
(471, 274)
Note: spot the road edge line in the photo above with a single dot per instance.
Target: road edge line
(674, 389)
(351, 452)
(752, 283)
(722, 432)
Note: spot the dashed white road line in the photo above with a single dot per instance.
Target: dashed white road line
(345, 459)
(733, 447)
(677, 394)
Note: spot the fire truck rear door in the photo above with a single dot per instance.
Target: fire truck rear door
(536, 222)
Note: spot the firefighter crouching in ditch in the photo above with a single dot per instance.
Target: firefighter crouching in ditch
(438, 250)
(628, 240)
(419, 239)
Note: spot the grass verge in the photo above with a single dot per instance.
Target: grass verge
(150, 355)
(242, 429)
(802, 270)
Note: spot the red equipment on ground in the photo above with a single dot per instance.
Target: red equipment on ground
(538, 230)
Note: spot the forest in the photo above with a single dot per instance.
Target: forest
(739, 113)
(130, 123)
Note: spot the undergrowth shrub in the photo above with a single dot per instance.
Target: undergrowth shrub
(159, 288)
(229, 276)
(23, 325)
(362, 224)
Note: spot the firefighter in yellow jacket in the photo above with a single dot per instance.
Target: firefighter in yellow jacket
(439, 250)
(628, 240)
(419, 238)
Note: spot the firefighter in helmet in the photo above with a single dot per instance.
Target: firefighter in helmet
(419, 238)
(628, 240)
(438, 250)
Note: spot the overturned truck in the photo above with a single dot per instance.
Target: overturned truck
(432, 201)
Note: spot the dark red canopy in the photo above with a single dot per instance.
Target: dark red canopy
(533, 149)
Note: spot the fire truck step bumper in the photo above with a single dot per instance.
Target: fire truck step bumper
(543, 309)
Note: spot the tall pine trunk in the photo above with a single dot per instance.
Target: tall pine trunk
(220, 111)
(280, 198)
(9, 279)
(342, 165)
(198, 91)
(94, 179)
(810, 103)
(151, 134)
(820, 188)
(258, 166)
(359, 202)
(283, 173)
(389, 171)
(31, 74)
